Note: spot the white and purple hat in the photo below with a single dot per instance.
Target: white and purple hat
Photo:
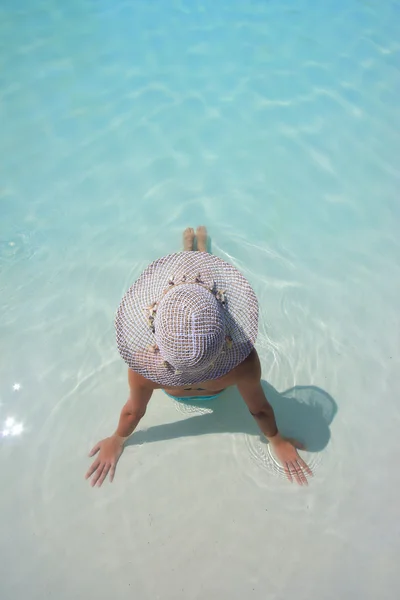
(189, 318)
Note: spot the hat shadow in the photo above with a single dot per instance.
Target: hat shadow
(302, 412)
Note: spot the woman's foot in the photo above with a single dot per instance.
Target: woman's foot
(188, 238)
(201, 234)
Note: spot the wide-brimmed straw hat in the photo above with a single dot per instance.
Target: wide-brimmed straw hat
(189, 318)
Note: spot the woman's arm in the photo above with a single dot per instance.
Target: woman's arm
(250, 388)
(109, 450)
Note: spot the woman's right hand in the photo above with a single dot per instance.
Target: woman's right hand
(110, 450)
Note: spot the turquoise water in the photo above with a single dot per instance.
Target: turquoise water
(277, 125)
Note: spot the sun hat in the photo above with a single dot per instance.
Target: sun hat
(189, 318)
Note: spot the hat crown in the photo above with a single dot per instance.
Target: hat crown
(189, 327)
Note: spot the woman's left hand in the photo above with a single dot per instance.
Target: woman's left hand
(285, 451)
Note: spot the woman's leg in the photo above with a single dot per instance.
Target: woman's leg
(188, 239)
(201, 233)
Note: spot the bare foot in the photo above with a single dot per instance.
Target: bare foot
(188, 238)
(201, 233)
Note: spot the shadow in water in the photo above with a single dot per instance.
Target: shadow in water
(302, 412)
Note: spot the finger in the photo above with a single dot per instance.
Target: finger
(287, 472)
(97, 475)
(305, 467)
(103, 475)
(112, 473)
(301, 474)
(94, 450)
(295, 472)
(92, 469)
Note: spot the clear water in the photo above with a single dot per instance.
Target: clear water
(276, 124)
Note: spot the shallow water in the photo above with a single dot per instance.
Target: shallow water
(276, 124)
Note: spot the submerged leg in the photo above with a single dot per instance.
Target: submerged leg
(188, 238)
(201, 234)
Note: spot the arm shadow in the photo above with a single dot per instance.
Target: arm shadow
(302, 412)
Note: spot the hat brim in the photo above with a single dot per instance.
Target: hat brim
(135, 337)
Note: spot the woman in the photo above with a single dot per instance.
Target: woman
(188, 326)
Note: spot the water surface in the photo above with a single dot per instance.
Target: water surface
(276, 124)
